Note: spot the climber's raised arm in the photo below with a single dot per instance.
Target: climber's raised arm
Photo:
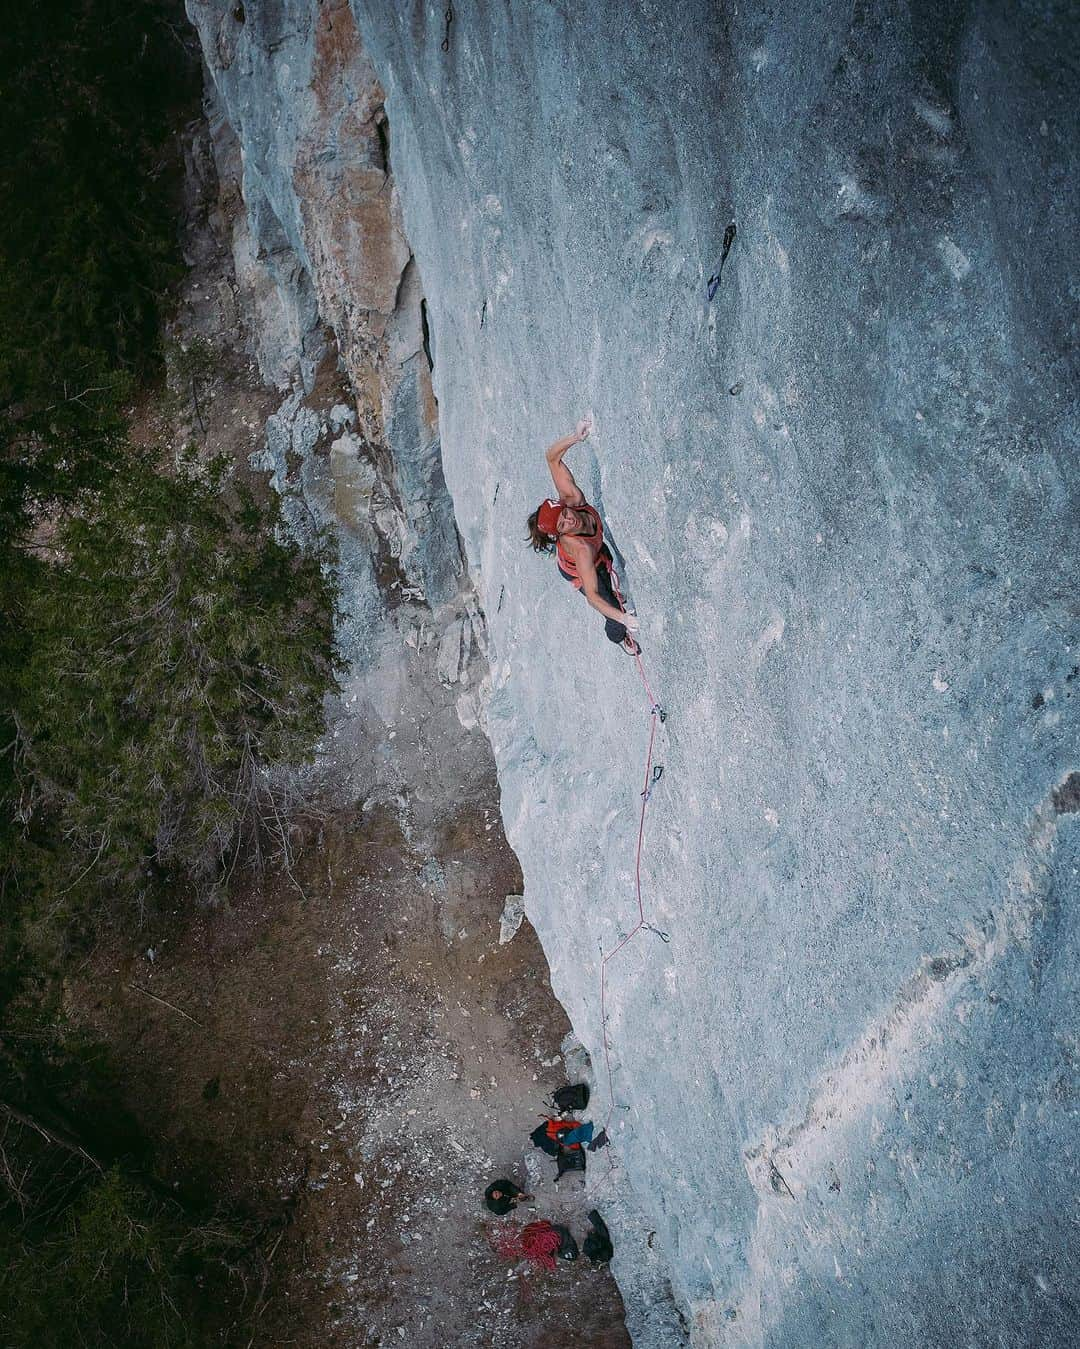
(569, 492)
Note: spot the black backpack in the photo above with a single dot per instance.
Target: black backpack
(597, 1244)
(569, 1159)
(567, 1245)
(571, 1098)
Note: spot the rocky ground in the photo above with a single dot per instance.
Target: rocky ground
(351, 1052)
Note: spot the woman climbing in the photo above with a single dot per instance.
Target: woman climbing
(576, 532)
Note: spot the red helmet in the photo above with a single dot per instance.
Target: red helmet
(547, 517)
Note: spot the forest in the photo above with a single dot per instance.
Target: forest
(165, 652)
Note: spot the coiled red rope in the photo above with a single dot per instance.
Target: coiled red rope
(537, 1242)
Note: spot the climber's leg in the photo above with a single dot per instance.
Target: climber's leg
(616, 632)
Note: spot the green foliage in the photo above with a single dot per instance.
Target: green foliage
(88, 243)
(189, 366)
(93, 1249)
(93, 93)
(164, 655)
(160, 646)
(181, 655)
(116, 1265)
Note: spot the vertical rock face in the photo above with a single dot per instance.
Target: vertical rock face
(298, 122)
(845, 492)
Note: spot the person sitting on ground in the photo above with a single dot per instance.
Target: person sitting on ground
(503, 1195)
(576, 532)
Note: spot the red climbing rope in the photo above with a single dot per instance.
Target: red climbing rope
(655, 712)
(540, 1243)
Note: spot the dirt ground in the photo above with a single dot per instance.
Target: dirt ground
(363, 1057)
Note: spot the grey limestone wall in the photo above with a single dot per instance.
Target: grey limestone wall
(845, 494)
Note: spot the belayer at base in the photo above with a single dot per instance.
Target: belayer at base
(502, 1195)
(576, 531)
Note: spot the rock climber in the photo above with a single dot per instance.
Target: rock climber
(574, 529)
(503, 1195)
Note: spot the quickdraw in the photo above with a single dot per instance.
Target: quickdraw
(714, 280)
(657, 774)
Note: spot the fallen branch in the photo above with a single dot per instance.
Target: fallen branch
(166, 1003)
(59, 1137)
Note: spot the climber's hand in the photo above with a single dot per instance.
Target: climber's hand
(631, 622)
(583, 428)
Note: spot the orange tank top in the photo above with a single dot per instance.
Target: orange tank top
(567, 565)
